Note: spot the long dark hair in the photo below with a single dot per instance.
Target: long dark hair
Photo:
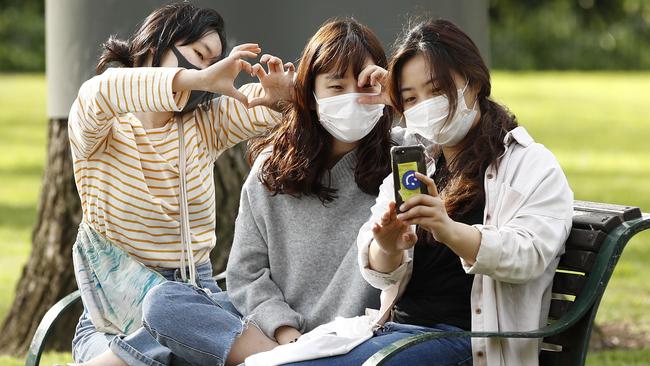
(301, 146)
(163, 28)
(449, 50)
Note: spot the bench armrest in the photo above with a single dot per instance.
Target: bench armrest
(45, 327)
(393, 349)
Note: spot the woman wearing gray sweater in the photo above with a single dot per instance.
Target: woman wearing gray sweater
(293, 263)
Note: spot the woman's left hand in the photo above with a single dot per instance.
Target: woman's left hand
(428, 211)
(277, 83)
(220, 77)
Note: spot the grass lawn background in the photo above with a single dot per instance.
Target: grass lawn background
(597, 124)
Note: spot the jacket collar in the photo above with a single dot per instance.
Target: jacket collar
(519, 135)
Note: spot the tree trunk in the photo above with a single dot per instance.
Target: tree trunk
(48, 275)
(230, 171)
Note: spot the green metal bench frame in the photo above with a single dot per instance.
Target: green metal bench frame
(598, 238)
(599, 235)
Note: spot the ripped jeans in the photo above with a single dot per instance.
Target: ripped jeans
(169, 312)
(198, 326)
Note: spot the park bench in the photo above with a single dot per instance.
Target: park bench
(599, 234)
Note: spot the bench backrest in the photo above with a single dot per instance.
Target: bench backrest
(598, 236)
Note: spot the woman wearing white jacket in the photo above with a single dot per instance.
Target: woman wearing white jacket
(480, 250)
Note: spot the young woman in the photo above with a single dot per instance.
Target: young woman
(480, 250)
(293, 263)
(124, 137)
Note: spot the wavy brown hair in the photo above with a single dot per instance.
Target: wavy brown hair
(449, 50)
(301, 150)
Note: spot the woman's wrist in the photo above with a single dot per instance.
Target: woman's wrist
(384, 261)
(188, 79)
(463, 239)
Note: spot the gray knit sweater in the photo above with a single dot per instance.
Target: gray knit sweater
(294, 261)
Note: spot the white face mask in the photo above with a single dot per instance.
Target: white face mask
(429, 119)
(347, 120)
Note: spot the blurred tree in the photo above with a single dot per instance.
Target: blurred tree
(22, 35)
(570, 34)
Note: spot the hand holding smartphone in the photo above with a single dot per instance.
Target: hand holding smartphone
(406, 160)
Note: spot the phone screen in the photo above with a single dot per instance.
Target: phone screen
(409, 184)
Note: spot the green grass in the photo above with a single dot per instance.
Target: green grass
(22, 156)
(597, 124)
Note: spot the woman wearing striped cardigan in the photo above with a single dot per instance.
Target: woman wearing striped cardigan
(124, 136)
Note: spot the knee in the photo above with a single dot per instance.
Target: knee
(161, 304)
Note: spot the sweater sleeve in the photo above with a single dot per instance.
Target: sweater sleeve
(102, 99)
(377, 279)
(227, 121)
(250, 283)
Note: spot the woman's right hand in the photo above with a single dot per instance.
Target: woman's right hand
(374, 75)
(392, 234)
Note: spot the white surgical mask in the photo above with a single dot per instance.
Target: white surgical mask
(429, 119)
(347, 120)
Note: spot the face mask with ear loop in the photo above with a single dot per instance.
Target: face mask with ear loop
(347, 120)
(196, 96)
(429, 119)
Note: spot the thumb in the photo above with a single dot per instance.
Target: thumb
(257, 101)
(241, 97)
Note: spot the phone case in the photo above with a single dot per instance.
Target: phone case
(406, 160)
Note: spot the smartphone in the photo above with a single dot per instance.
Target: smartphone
(406, 160)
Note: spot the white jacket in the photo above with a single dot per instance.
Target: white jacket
(527, 219)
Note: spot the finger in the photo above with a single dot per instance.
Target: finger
(275, 65)
(409, 238)
(385, 218)
(290, 68)
(258, 70)
(431, 185)
(378, 77)
(419, 200)
(364, 75)
(265, 58)
(420, 221)
(254, 47)
(392, 208)
(417, 211)
(246, 67)
(373, 99)
(243, 54)
(241, 97)
(376, 228)
(257, 101)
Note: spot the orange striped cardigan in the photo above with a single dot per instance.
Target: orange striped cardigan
(127, 177)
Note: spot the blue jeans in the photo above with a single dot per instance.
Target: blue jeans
(140, 347)
(438, 352)
(200, 329)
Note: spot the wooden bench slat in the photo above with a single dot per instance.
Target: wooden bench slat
(585, 239)
(560, 339)
(596, 221)
(577, 260)
(558, 308)
(624, 212)
(568, 283)
(550, 358)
